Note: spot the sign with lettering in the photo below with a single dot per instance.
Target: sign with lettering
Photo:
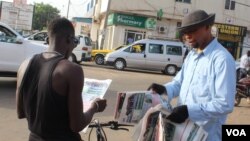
(131, 20)
(231, 29)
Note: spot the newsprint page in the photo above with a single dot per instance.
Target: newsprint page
(148, 112)
(93, 88)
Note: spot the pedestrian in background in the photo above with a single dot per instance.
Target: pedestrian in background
(49, 89)
(244, 65)
(206, 83)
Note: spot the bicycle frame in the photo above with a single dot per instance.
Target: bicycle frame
(100, 134)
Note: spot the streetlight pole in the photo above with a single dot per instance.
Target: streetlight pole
(105, 24)
(68, 9)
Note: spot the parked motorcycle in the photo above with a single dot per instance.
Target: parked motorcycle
(242, 90)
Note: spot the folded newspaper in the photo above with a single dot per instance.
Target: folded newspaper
(155, 127)
(148, 112)
(131, 106)
(93, 88)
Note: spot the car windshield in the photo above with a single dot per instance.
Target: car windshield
(87, 41)
(119, 47)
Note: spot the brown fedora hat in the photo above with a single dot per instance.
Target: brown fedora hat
(195, 19)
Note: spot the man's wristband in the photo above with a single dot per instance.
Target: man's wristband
(97, 106)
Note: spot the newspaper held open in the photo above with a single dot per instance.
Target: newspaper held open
(93, 88)
(148, 111)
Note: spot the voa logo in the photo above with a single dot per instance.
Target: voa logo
(236, 132)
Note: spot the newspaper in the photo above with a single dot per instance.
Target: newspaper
(148, 112)
(131, 106)
(93, 88)
(155, 127)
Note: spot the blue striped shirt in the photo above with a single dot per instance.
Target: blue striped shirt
(207, 85)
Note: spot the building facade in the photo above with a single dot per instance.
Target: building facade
(17, 15)
(82, 25)
(117, 22)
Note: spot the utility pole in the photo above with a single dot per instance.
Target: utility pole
(241, 4)
(68, 9)
(105, 24)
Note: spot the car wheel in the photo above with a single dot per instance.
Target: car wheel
(99, 59)
(170, 70)
(120, 64)
(72, 58)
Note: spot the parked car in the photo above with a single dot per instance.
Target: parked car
(14, 49)
(99, 54)
(81, 53)
(166, 56)
(38, 37)
(83, 50)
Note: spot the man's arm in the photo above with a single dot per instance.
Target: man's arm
(19, 101)
(75, 79)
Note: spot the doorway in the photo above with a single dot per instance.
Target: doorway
(132, 36)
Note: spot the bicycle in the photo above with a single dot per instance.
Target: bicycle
(100, 134)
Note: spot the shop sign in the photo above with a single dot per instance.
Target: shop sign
(131, 20)
(231, 29)
(230, 38)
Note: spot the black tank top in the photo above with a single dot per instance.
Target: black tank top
(45, 110)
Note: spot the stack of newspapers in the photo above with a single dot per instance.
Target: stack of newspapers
(148, 112)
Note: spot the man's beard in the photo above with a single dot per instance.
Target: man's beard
(196, 45)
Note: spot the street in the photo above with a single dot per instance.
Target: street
(13, 129)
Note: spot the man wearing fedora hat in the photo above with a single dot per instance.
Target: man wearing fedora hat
(206, 83)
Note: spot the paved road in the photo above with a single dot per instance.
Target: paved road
(13, 129)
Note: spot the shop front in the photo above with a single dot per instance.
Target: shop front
(124, 29)
(231, 37)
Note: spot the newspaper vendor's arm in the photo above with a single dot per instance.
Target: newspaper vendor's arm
(173, 88)
(222, 93)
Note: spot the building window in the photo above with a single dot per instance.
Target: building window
(178, 24)
(230, 4)
(132, 36)
(92, 2)
(184, 1)
(88, 7)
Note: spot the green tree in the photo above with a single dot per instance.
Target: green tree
(43, 14)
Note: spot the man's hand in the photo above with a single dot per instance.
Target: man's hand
(179, 114)
(160, 89)
(99, 104)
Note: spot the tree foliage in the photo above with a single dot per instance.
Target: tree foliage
(43, 14)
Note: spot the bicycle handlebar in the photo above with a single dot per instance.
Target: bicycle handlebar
(114, 125)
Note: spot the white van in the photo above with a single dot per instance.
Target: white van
(83, 50)
(162, 55)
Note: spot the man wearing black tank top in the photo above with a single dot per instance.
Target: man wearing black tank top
(49, 89)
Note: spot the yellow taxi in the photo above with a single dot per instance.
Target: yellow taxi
(99, 54)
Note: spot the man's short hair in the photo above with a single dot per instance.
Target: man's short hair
(60, 26)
